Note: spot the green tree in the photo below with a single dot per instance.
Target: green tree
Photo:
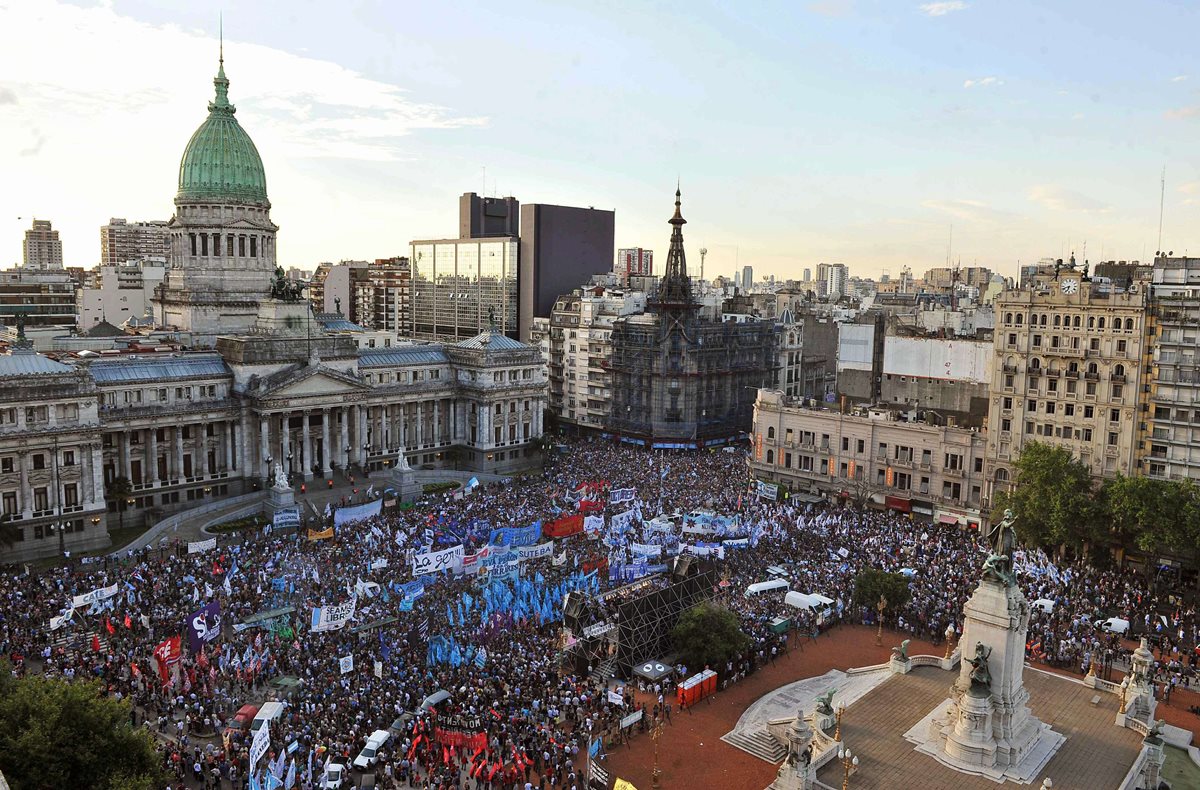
(57, 734)
(709, 635)
(1156, 516)
(120, 489)
(1052, 498)
(872, 583)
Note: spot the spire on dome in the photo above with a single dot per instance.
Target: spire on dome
(675, 287)
(221, 83)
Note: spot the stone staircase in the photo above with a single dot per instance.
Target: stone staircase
(759, 744)
(80, 639)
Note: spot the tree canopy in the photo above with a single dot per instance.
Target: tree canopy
(709, 635)
(1154, 515)
(1053, 498)
(56, 734)
(872, 583)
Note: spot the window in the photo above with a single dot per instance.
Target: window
(1090, 389)
(68, 457)
(70, 495)
(1117, 391)
(1069, 409)
(6, 465)
(1006, 424)
(770, 456)
(1007, 403)
(1037, 341)
(845, 444)
(1087, 434)
(1120, 346)
(1050, 407)
(39, 461)
(1088, 412)
(41, 499)
(978, 465)
(1114, 415)
(10, 502)
(1012, 339)
(771, 432)
(862, 444)
(1112, 438)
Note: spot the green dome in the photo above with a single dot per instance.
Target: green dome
(220, 163)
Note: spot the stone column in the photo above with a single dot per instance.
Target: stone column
(361, 439)
(344, 439)
(306, 448)
(326, 450)
(152, 454)
(402, 414)
(437, 428)
(26, 494)
(202, 449)
(88, 494)
(227, 438)
(420, 424)
(123, 456)
(178, 452)
(285, 440)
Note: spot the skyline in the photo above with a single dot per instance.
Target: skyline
(371, 124)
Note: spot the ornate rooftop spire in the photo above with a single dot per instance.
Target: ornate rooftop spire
(221, 104)
(676, 288)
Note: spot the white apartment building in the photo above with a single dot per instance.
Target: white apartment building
(120, 292)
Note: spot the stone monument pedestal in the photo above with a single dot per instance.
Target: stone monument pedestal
(404, 480)
(899, 666)
(280, 499)
(797, 771)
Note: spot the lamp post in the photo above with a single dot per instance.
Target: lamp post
(837, 730)
(289, 462)
(267, 474)
(1124, 691)
(849, 765)
(949, 640)
(656, 774)
(880, 607)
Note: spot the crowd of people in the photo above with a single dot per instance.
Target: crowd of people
(515, 715)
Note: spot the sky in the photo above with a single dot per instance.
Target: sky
(879, 134)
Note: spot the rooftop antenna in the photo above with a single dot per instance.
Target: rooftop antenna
(221, 37)
(703, 252)
(950, 245)
(1162, 192)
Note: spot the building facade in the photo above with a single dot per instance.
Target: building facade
(118, 293)
(382, 298)
(580, 358)
(122, 242)
(634, 262)
(561, 248)
(42, 249)
(460, 286)
(681, 378)
(488, 217)
(1170, 448)
(871, 458)
(1067, 371)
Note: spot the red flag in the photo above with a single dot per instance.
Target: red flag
(128, 622)
(108, 626)
(95, 643)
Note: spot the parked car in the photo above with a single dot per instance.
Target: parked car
(333, 777)
(244, 717)
(370, 753)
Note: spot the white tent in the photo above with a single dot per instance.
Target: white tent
(1045, 604)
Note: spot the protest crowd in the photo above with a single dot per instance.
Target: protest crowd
(445, 619)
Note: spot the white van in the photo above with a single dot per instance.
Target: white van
(774, 585)
(270, 711)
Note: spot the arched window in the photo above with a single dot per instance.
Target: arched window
(1008, 318)
(1076, 322)
(1129, 324)
(1057, 320)
(1035, 364)
(770, 456)
(1020, 319)
(1091, 322)
(771, 432)
(1001, 475)
(1119, 370)
(1043, 322)
(1091, 368)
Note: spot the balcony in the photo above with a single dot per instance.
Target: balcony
(1007, 368)
(1053, 373)
(1118, 378)
(1090, 376)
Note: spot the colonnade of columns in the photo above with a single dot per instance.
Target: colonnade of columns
(185, 453)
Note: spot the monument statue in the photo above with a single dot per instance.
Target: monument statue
(998, 565)
(281, 480)
(1155, 734)
(492, 319)
(402, 461)
(825, 703)
(981, 677)
(284, 289)
(901, 653)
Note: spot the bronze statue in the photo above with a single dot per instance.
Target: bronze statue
(901, 653)
(284, 289)
(981, 677)
(998, 565)
(825, 703)
(1155, 734)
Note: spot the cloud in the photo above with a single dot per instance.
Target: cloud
(983, 82)
(1057, 198)
(942, 8)
(7, 96)
(1180, 113)
(969, 210)
(1180, 78)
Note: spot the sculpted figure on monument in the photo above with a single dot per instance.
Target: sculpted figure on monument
(998, 565)
(402, 461)
(825, 703)
(281, 481)
(901, 653)
(981, 676)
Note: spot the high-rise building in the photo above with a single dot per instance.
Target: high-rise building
(488, 217)
(807, 275)
(747, 278)
(119, 293)
(122, 241)
(1066, 371)
(381, 298)
(1169, 449)
(333, 285)
(833, 280)
(42, 248)
(561, 248)
(461, 287)
(634, 262)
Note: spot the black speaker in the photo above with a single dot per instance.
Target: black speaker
(573, 606)
(682, 567)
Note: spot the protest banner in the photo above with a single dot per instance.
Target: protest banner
(199, 546)
(331, 618)
(346, 663)
(95, 596)
(434, 561)
(516, 536)
(259, 746)
(615, 697)
(204, 626)
(564, 527)
(324, 534)
(348, 515)
(286, 518)
(535, 552)
(646, 549)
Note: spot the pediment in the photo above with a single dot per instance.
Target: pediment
(312, 382)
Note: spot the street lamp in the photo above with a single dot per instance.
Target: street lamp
(949, 639)
(881, 606)
(849, 765)
(656, 775)
(267, 474)
(837, 730)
